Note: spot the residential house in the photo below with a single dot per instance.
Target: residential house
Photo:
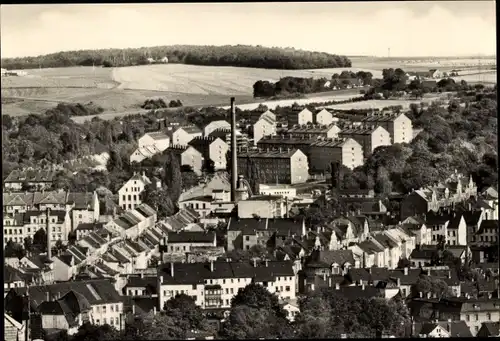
(473, 220)
(291, 308)
(439, 329)
(474, 312)
(438, 223)
(245, 233)
(141, 285)
(398, 125)
(188, 157)
(212, 285)
(65, 268)
(488, 233)
(406, 278)
(489, 329)
(347, 152)
(369, 137)
(84, 229)
(456, 230)
(434, 73)
(216, 125)
(330, 262)
(265, 126)
(157, 139)
(263, 206)
(184, 241)
(85, 208)
(106, 305)
(13, 330)
(242, 139)
(38, 179)
(350, 229)
(134, 222)
(423, 235)
(283, 166)
(213, 149)
(490, 196)
(182, 135)
(129, 195)
(11, 278)
(143, 153)
(421, 257)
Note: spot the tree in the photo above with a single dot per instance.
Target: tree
(91, 332)
(314, 319)
(14, 250)
(160, 200)
(172, 176)
(182, 315)
(59, 247)
(40, 240)
(28, 244)
(383, 184)
(256, 296)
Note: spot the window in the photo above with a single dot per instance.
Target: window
(232, 291)
(98, 309)
(287, 288)
(116, 321)
(488, 316)
(97, 321)
(247, 238)
(194, 286)
(104, 321)
(476, 328)
(477, 317)
(467, 317)
(227, 291)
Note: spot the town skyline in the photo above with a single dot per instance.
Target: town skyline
(421, 32)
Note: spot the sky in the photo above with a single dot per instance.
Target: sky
(412, 29)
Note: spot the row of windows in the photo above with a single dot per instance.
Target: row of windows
(112, 321)
(124, 197)
(476, 316)
(112, 307)
(485, 238)
(133, 189)
(28, 230)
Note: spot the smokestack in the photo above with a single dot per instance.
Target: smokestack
(234, 157)
(47, 225)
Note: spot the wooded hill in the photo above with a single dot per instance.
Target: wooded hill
(239, 55)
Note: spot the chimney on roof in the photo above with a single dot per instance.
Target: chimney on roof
(133, 308)
(141, 275)
(48, 296)
(211, 266)
(362, 285)
(421, 294)
(449, 273)
(254, 262)
(267, 263)
(399, 282)
(337, 286)
(154, 310)
(406, 271)
(171, 269)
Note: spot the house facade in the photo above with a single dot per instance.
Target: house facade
(129, 195)
(182, 135)
(263, 127)
(369, 137)
(347, 152)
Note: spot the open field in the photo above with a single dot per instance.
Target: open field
(380, 104)
(121, 91)
(207, 80)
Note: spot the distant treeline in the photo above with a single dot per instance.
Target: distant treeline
(239, 55)
(160, 104)
(296, 85)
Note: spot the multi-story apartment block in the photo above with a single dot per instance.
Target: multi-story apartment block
(225, 135)
(301, 143)
(213, 284)
(487, 234)
(38, 179)
(129, 195)
(263, 127)
(188, 156)
(347, 152)
(283, 166)
(212, 148)
(158, 139)
(324, 117)
(300, 116)
(369, 137)
(399, 126)
(23, 225)
(216, 125)
(182, 135)
(309, 131)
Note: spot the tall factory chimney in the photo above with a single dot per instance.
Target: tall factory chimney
(47, 229)
(234, 157)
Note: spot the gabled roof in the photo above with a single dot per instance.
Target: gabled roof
(239, 224)
(190, 237)
(82, 201)
(472, 217)
(327, 258)
(89, 226)
(455, 221)
(370, 247)
(157, 135)
(432, 218)
(491, 328)
(488, 224)
(30, 175)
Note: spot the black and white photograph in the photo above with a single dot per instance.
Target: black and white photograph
(250, 170)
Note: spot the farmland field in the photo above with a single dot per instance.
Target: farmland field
(122, 90)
